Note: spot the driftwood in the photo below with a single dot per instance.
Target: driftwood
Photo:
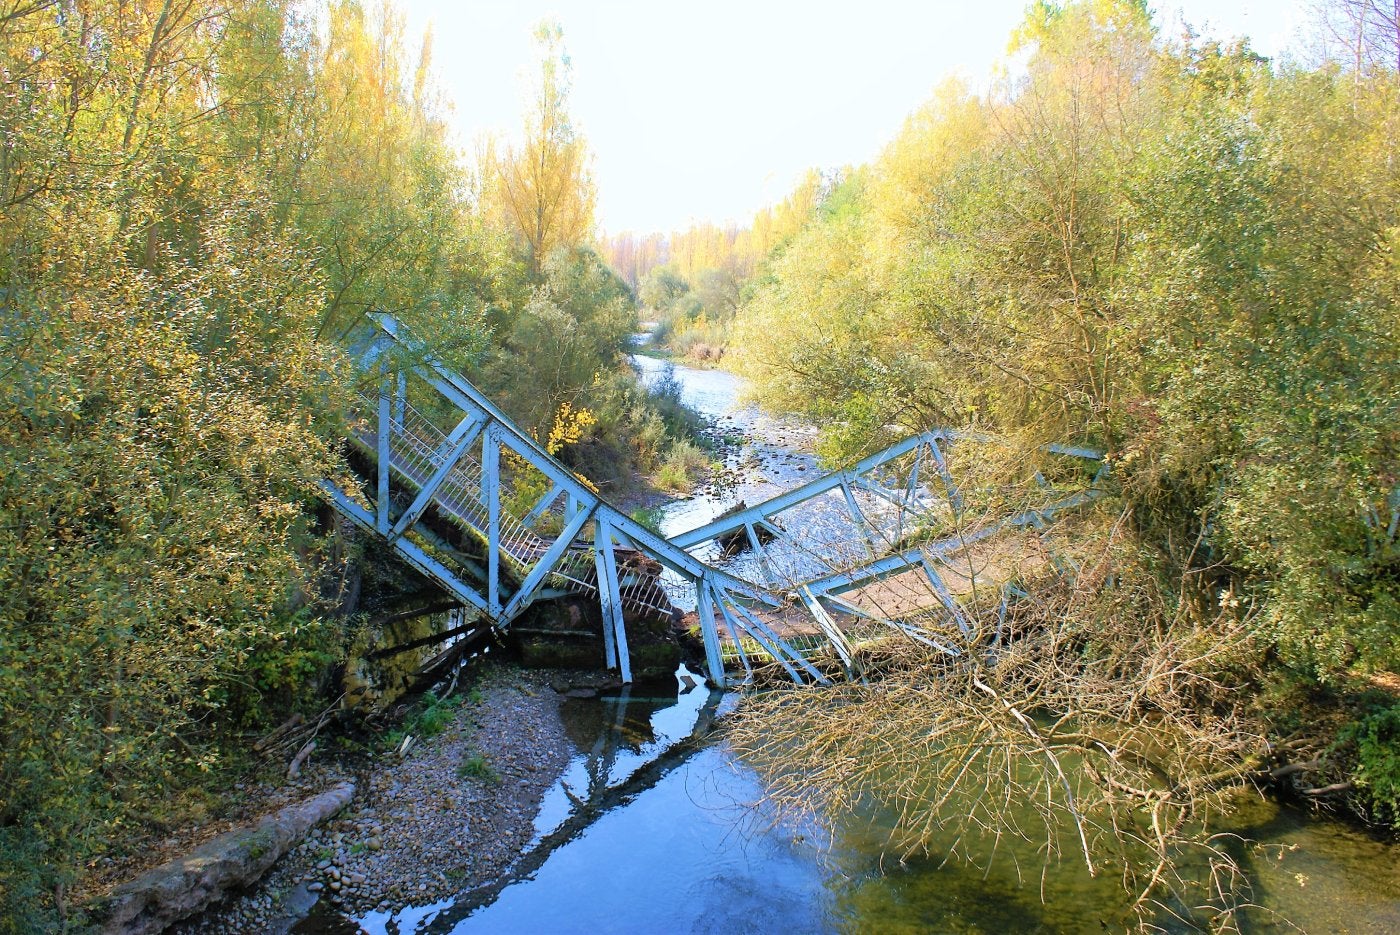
(180, 888)
(732, 543)
(296, 732)
(294, 769)
(281, 730)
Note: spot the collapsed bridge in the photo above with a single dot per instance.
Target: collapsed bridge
(465, 497)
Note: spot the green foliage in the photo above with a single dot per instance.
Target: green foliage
(684, 465)
(649, 516)
(200, 198)
(636, 428)
(661, 288)
(576, 325)
(433, 718)
(1169, 251)
(1377, 739)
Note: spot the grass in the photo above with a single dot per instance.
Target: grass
(476, 767)
(684, 465)
(429, 721)
(649, 516)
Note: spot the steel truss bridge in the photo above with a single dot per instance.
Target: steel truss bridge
(461, 494)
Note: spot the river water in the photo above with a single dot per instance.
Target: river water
(657, 828)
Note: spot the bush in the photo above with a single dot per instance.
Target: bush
(684, 464)
(1377, 740)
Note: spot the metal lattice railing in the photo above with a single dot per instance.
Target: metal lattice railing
(903, 515)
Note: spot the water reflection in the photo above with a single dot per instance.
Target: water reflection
(658, 827)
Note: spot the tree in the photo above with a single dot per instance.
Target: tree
(543, 190)
(661, 287)
(1361, 34)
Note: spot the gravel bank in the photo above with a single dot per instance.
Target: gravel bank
(450, 814)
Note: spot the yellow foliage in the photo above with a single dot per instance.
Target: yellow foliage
(570, 426)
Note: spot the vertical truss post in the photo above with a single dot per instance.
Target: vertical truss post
(954, 497)
(611, 599)
(386, 427)
(858, 517)
(491, 493)
(705, 609)
(721, 600)
(448, 454)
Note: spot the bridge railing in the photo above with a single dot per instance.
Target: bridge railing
(461, 462)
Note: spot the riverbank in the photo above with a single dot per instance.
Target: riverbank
(452, 811)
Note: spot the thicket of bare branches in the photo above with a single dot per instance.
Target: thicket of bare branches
(1105, 728)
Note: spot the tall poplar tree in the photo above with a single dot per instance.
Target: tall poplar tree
(543, 189)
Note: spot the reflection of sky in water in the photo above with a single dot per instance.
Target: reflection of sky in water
(669, 725)
(693, 854)
(681, 857)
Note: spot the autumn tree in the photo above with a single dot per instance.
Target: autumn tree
(542, 189)
(1177, 253)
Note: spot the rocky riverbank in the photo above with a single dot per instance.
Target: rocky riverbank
(452, 812)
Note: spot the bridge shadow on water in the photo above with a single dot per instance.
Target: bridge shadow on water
(627, 743)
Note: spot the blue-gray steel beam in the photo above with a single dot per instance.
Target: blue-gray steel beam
(904, 502)
(491, 494)
(400, 397)
(828, 627)
(910, 558)
(945, 596)
(539, 509)
(611, 595)
(783, 501)
(520, 600)
(716, 586)
(385, 430)
(414, 556)
(906, 629)
(778, 648)
(709, 632)
(468, 397)
(857, 517)
(940, 463)
(722, 602)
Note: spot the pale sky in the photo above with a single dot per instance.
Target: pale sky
(710, 109)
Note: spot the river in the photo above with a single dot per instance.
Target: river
(652, 830)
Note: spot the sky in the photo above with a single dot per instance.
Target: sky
(711, 109)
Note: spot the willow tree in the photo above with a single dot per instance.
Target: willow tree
(542, 189)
